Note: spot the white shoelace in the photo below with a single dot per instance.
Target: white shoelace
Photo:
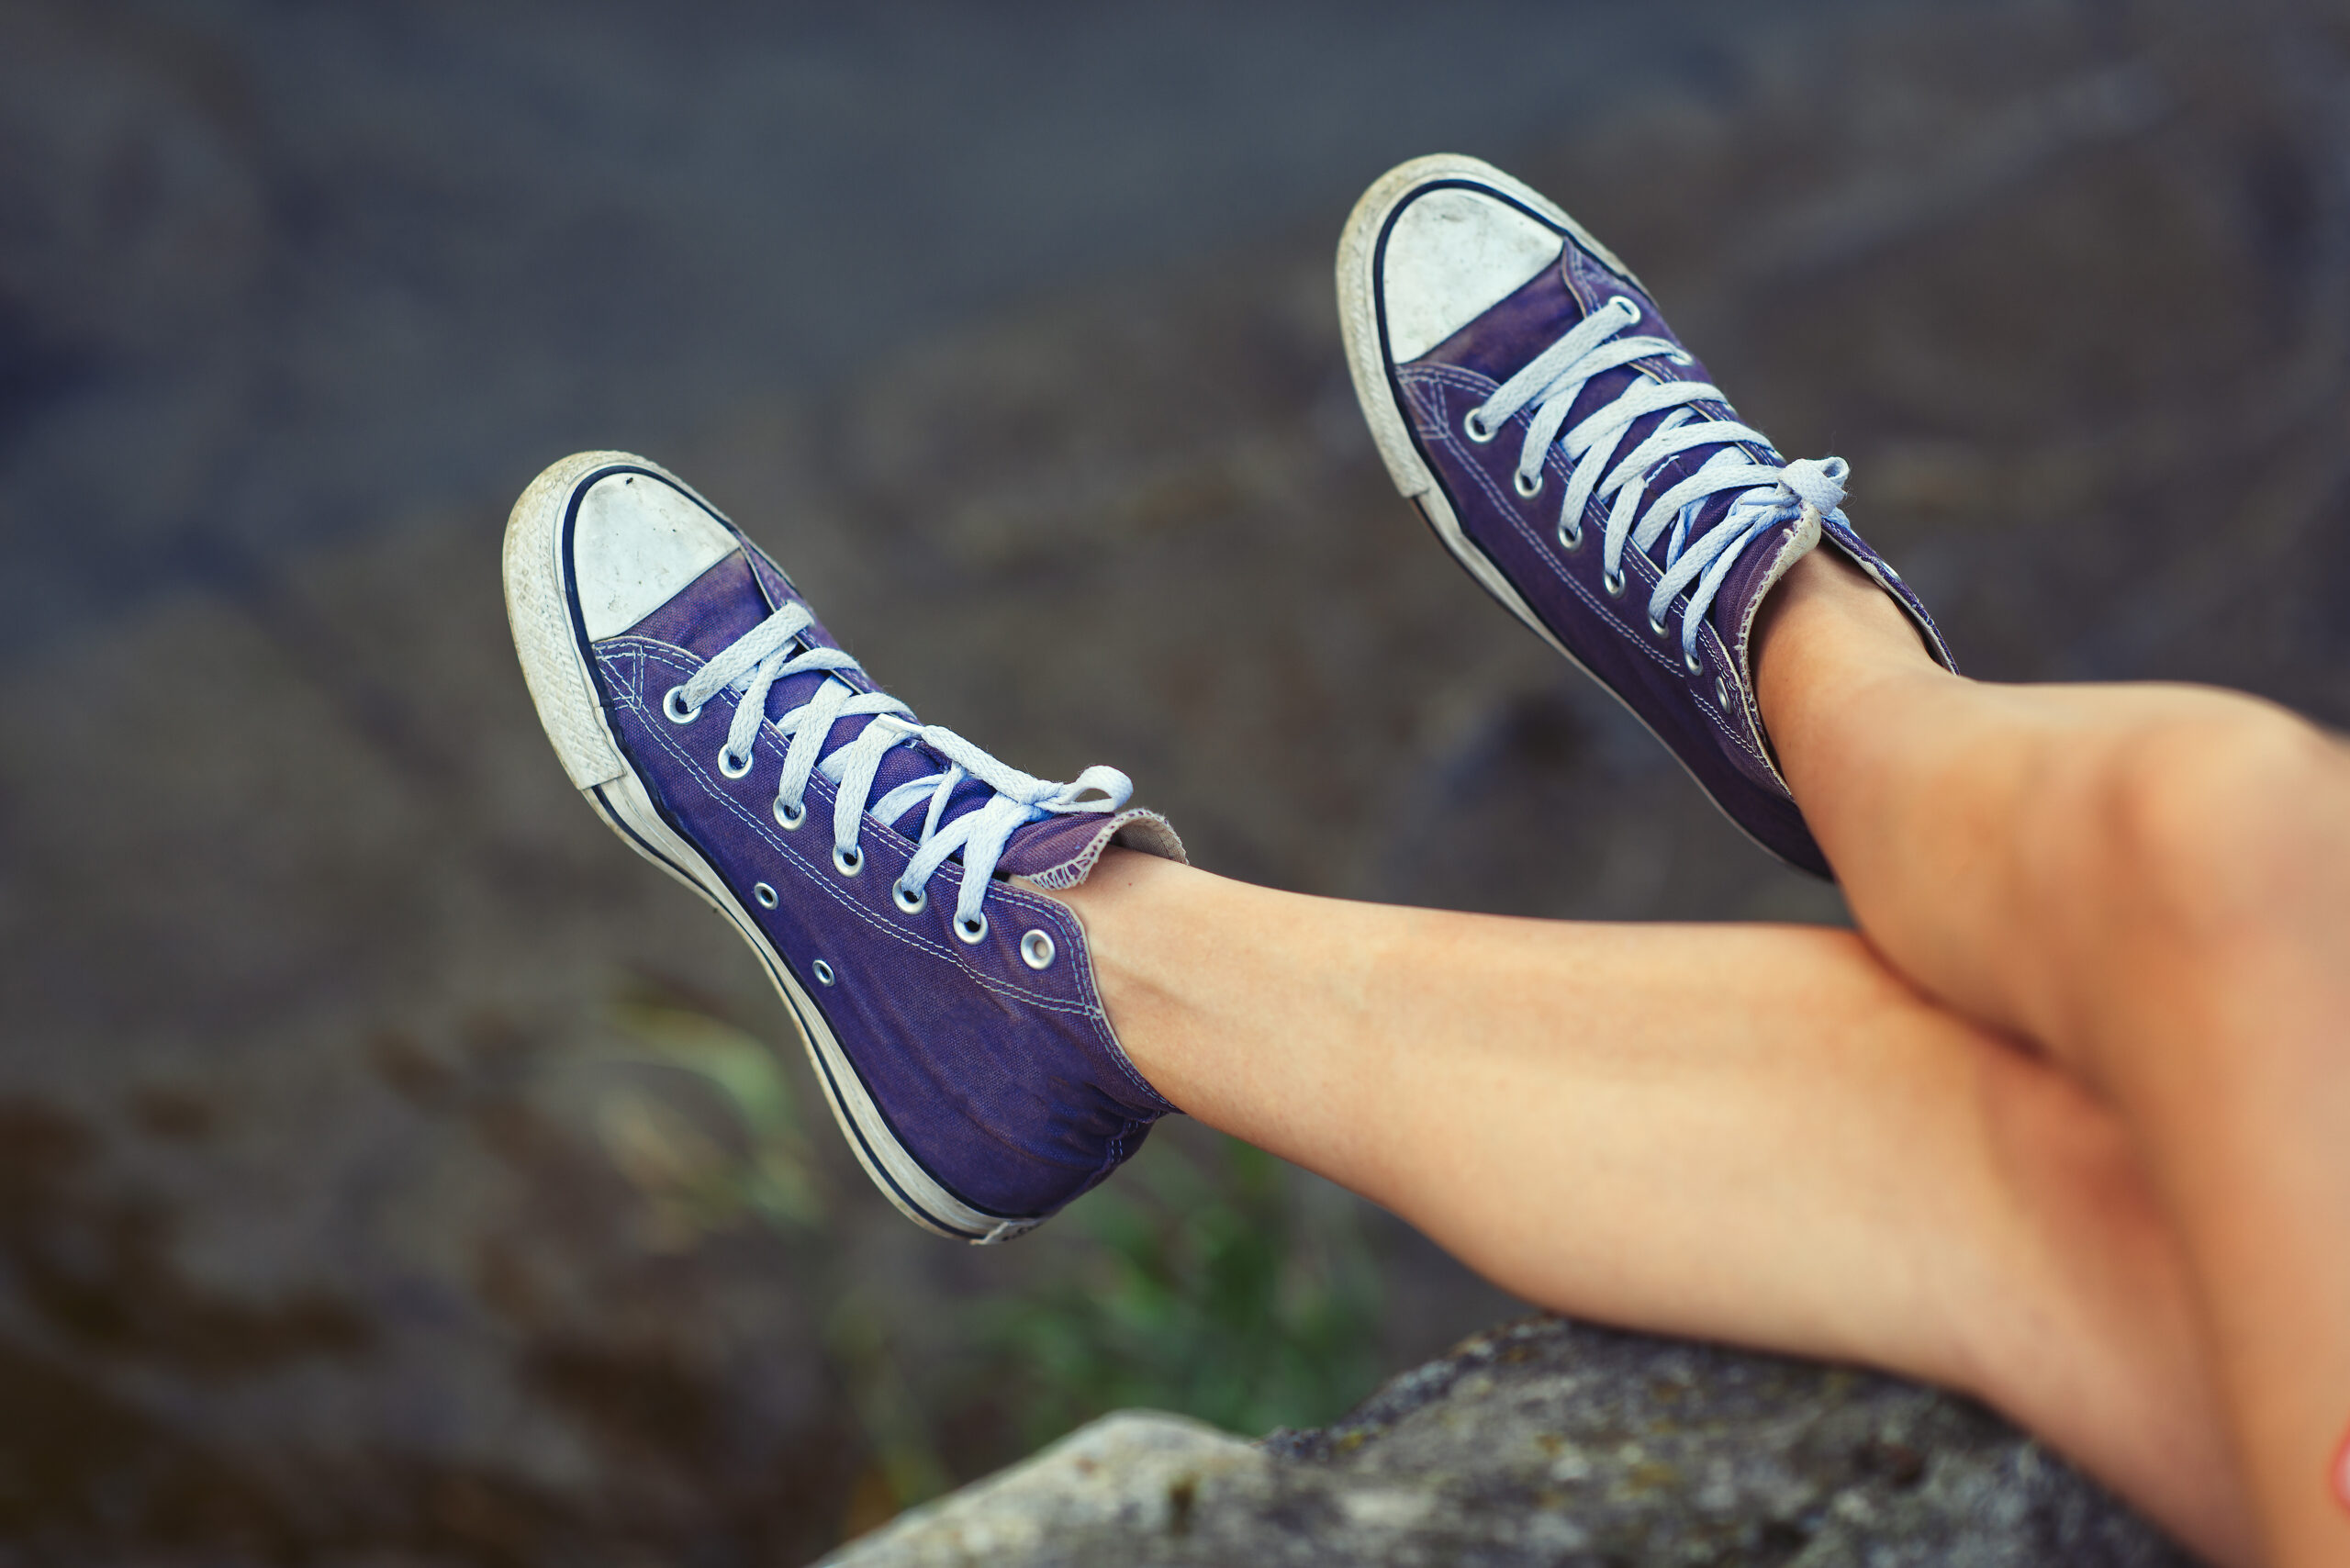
(1553, 382)
(766, 654)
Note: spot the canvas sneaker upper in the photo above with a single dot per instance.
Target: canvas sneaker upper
(1572, 454)
(712, 719)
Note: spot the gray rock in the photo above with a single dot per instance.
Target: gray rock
(1549, 1442)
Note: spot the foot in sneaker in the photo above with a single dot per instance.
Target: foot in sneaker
(1526, 393)
(713, 723)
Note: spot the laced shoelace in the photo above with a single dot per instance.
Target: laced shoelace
(769, 653)
(1550, 383)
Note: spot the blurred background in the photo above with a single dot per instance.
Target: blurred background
(393, 1169)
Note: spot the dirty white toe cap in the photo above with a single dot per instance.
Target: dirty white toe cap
(636, 545)
(1451, 255)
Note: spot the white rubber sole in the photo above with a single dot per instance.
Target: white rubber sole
(1359, 324)
(541, 612)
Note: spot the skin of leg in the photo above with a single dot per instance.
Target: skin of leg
(1744, 1133)
(2153, 883)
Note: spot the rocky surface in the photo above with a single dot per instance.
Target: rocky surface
(1551, 1443)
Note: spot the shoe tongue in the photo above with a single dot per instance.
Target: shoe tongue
(1505, 338)
(1758, 569)
(1061, 851)
(731, 600)
(1050, 843)
(737, 594)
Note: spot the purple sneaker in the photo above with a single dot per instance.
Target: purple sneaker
(716, 726)
(1526, 393)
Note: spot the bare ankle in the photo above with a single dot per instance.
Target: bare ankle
(1824, 613)
(1825, 595)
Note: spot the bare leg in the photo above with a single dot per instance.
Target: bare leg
(2153, 884)
(1751, 1134)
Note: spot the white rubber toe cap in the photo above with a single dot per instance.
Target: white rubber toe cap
(1454, 253)
(637, 544)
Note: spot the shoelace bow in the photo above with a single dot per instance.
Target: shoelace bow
(1552, 381)
(766, 654)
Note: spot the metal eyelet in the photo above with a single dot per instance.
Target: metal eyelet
(790, 813)
(1722, 692)
(1692, 663)
(974, 933)
(1628, 303)
(764, 895)
(1571, 538)
(1036, 950)
(1656, 624)
(913, 901)
(726, 763)
(1613, 582)
(1473, 426)
(848, 861)
(1524, 486)
(823, 972)
(673, 707)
